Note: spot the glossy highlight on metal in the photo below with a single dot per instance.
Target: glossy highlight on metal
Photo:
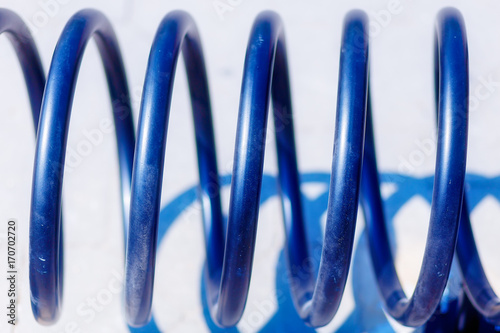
(316, 293)
(46, 262)
(265, 78)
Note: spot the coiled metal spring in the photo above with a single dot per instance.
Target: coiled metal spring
(354, 176)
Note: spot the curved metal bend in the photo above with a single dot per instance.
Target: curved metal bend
(177, 30)
(228, 269)
(19, 35)
(476, 284)
(45, 220)
(452, 81)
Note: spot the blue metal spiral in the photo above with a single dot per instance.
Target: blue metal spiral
(354, 176)
(228, 268)
(45, 220)
(265, 72)
(452, 91)
(22, 41)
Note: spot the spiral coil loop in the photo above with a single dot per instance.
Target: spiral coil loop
(18, 33)
(229, 269)
(265, 72)
(45, 221)
(354, 176)
(452, 88)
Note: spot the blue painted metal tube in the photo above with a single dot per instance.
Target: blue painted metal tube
(228, 269)
(452, 81)
(22, 41)
(476, 284)
(45, 222)
(230, 257)
(176, 32)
